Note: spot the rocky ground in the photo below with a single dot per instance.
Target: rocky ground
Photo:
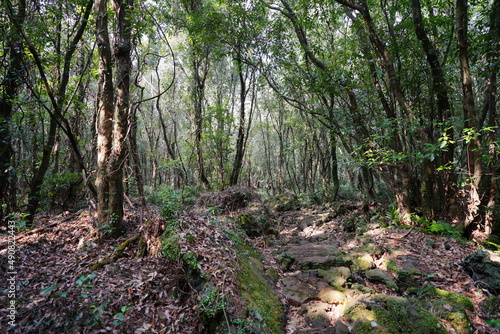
(340, 274)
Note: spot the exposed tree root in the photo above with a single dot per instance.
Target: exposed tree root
(116, 254)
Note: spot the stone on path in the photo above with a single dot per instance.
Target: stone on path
(312, 255)
(336, 276)
(296, 291)
(381, 276)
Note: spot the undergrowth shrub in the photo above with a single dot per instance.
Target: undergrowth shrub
(168, 195)
(60, 190)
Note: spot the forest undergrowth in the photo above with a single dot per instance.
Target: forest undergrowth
(58, 291)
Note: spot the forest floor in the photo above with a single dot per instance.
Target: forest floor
(58, 292)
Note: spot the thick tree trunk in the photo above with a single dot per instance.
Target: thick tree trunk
(104, 116)
(112, 116)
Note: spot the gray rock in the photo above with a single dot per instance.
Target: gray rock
(316, 314)
(296, 291)
(381, 276)
(311, 255)
(483, 269)
(336, 276)
(331, 296)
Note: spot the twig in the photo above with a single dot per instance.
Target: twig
(116, 254)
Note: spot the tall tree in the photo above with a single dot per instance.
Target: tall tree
(9, 88)
(200, 51)
(471, 126)
(112, 114)
(57, 96)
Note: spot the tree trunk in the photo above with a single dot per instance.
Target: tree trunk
(335, 184)
(397, 176)
(437, 186)
(104, 116)
(240, 140)
(492, 219)
(9, 87)
(474, 167)
(199, 96)
(135, 156)
(112, 115)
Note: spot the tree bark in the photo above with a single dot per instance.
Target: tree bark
(474, 166)
(104, 115)
(436, 185)
(492, 219)
(200, 75)
(240, 140)
(10, 85)
(112, 114)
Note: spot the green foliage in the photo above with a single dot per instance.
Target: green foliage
(57, 189)
(191, 260)
(495, 323)
(211, 303)
(173, 201)
(20, 219)
(443, 228)
(120, 316)
(84, 282)
(170, 244)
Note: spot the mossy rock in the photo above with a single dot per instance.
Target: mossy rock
(350, 224)
(362, 262)
(286, 202)
(262, 310)
(450, 307)
(455, 300)
(381, 276)
(387, 315)
(428, 312)
(336, 276)
(486, 271)
(254, 226)
(315, 256)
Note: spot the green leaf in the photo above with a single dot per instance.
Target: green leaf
(47, 290)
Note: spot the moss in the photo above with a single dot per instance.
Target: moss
(460, 322)
(261, 302)
(393, 315)
(454, 299)
(272, 274)
(391, 264)
(262, 305)
(211, 305)
(170, 245)
(449, 306)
